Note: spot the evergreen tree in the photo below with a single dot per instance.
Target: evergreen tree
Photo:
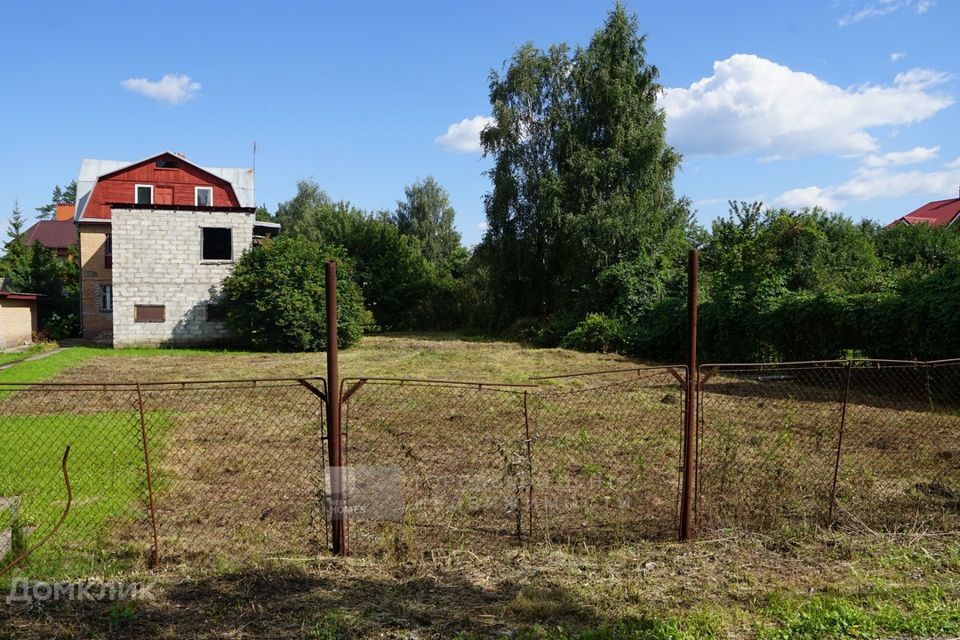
(66, 195)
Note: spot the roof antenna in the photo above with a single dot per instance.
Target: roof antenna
(254, 156)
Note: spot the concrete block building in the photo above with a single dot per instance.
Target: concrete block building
(156, 238)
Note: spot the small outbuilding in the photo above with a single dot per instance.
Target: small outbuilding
(18, 318)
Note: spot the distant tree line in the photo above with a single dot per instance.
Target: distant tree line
(586, 240)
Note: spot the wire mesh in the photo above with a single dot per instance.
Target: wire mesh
(433, 465)
(900, 459)
(606, 458)
(768, 444)
(235, 474)
(107, 527)
(238, 469)
(864, 445)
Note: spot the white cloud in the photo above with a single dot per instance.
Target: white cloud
(751, 104)
(806, 197)
(880, 8)
(870, 183)
(897, 55)
(172, 88)
(464, 136)
(896, 158)
(483, 226)
(954, 164)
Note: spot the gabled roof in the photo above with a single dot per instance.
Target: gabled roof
(92, 170)
(53, 234)
(936, 213)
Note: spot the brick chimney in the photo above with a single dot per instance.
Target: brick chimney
(65, 211)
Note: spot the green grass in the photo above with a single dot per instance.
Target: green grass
(46, 368)
(32, 350)
(105, 467)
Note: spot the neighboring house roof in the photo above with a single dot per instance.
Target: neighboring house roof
(53, 234)
(92, 170)
(936, 213)
(10, 295)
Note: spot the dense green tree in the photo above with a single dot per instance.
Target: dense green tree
(918, 247)
(426, 214)
(582, 176)
(275, 297)
(398, 283)
(64, 195)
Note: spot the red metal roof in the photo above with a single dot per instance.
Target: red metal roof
(53, 234)
(936, 213)
(18, 296)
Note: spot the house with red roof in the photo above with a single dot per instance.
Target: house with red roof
(57, 235)
(938, 213)
(156, 238)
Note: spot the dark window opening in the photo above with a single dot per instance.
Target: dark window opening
(167, 164)
(216, 244)
(149, 312)
(108, 252)
(216, 313)
(144, 194)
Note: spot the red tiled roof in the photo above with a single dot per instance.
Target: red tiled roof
(53, 234)
(936, 213)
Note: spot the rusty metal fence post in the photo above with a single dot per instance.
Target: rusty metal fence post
(155, 555)
(690, 411)
(337, 512)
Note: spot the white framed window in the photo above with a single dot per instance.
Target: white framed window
(203, 196)
(143, 194)
(216, 243)
(105, 297)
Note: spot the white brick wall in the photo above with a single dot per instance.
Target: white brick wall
(156, 260)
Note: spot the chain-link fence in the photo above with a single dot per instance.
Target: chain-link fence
(440, 464)
(234, 471)
(198, 472)
(855, 444)
(606, 457)
(433, 464)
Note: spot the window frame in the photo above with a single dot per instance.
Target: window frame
(101, 307)
(136, 193)
(196, 196)
(216, 260)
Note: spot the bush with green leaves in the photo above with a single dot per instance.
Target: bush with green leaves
(275, 297)
(596, 332)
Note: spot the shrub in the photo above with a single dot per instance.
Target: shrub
(596, 332)
(275, 297)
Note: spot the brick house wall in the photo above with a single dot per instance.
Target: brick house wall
(95, 271)
(157, 262)
(18, 322)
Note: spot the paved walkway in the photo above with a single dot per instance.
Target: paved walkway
(38, 356)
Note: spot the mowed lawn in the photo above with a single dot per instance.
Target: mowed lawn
(784, 585)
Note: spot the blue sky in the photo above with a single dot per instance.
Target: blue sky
(844, 103)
